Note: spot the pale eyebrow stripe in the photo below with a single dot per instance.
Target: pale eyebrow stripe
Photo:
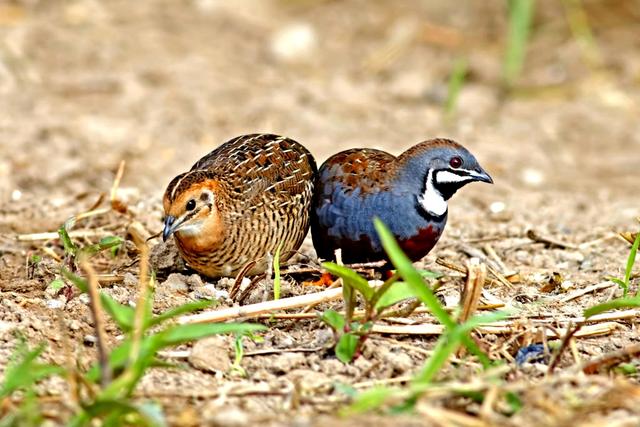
(175, 187)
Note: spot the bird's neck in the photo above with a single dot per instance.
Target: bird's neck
(207, 236)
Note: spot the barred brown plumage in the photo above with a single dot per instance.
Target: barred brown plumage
(240, 202)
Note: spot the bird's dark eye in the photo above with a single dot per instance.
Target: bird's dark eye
(455, 162)
(191, 205)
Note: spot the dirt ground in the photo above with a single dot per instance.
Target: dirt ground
(86, 84)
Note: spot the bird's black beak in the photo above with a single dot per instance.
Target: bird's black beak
(169, 227)
(481, 175)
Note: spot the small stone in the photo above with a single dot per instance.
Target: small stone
(571, 256)
(54, 304)
(400, 362)
(194, 281)
(176, 282)
(224, 416)
(363, 364)
(323, 337)
(214, 293)
(533, 177)
(497, 207)
(7, 326)
(74, 325)
(567, 285)
(211, 354)
(294, 42)
(129, 280)
(287, 362)
(165, 258)
(284, 341)
(452, 300)
(308, 379)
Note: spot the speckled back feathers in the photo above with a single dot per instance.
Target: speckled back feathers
(263, 190)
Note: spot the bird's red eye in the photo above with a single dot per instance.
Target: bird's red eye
(455, 162)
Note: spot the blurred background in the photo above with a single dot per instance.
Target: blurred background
(545, 93)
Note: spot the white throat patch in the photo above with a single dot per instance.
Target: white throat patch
(432, 201)
(446, 177)
(190, 229)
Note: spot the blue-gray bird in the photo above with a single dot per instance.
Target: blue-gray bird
(408, 193)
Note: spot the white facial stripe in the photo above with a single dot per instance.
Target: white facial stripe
(190, 229)
(175, 187)
(446, 177)
(432, 201)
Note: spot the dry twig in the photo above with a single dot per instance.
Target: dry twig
(254, 310)
(472, 289)
(580, 292)
(550, 241)
(99, 324)
(607, 361)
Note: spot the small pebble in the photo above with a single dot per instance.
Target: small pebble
(400, 362)
(224, 416)
(286, 362)
(497, 207)
(218, 294)
(323, 337)
(211, 354)
(294, 42)
(176, 282)
(533, 177)
(89, 340)
(54, 304)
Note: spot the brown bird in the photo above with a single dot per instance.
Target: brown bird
(239, 203)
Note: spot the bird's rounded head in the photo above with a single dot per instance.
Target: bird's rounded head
(192, 210)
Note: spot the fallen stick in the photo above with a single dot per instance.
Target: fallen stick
(455, 267)
(254, 310)
(580, 292)
(54, 235)
(607, 361)
(501, 329)
(549, 241)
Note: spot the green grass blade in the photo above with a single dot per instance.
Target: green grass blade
(442, 351)
(351, 278)
(421, 289)
(398, 292)
(612, 305)
(179, 311)
(276, 272)
(118, 358)
(449, 343)
(180, 334)
(115, 411)
(80, 283)
(456, 82)
(106, 243)
(121, 314)
(520, 17)
(411, 275)
(346, 347)
(371, 399)
(69, 247)
(334, 319)
(630, 262)
(24, 371)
